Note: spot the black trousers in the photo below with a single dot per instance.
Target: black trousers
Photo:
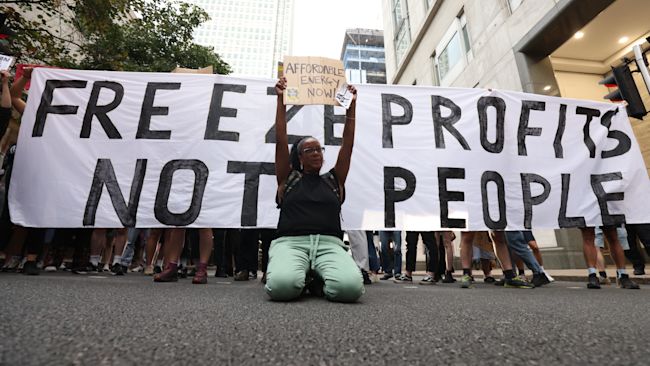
(222, 252)
(429, 240)
(636, 233)
(246, 242)
(266, 237)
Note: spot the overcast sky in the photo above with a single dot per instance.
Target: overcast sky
(319, 26)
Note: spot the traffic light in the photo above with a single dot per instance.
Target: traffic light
(627, 91)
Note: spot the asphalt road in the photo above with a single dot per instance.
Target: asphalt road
(65, 319)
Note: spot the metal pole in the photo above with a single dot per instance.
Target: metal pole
(640, 64)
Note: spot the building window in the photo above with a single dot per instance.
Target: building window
(453, 52)
(401, 27)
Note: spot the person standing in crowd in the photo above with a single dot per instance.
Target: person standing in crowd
(429, 241)
(636, 233)
(591, 255)
(501, 249)
(309, 228)
(516, 241)
(446, 254)
(360, 242)
(391, 266)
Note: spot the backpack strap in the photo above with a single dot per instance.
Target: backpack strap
(291, 182)
(333, 182)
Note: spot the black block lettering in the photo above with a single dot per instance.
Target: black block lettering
(589, 143)
(161, 208)
(100, 111)
(624, 142)
(524, 130)
(45, 107)
(491, 176)
(529, 199)
(149, 110)
(212, 131)
(391, 195)
(291, 112)
(388, 119)
(500, 108)
(251, 171)
(562, 220)
(561, 125)
(105, 176)
(604, 197)
(445, 196)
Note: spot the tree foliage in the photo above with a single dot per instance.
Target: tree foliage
(131, 35)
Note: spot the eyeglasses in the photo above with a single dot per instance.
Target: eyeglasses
(310, 150)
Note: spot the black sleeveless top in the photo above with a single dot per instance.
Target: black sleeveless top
(311, 206)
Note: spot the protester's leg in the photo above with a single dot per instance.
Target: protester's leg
(411, 252)
(633, 253)
(250, 240)
(266, 236)
(397, 252)
(129, 250)
(172, 251)
(386, 262)
(517, 243)
(97, 245)
(120, 242)
(501, 249)
(643, 233)
(342, 278)
(287, 268)
(429, 240)
(373, 260)
(359, 248)
(616, 250)
(205, 250)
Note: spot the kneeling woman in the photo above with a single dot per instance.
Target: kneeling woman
(309, 230)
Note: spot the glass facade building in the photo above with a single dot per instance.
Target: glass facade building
(251, 35)
(363, 56)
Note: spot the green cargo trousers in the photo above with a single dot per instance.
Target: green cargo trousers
(291, 257)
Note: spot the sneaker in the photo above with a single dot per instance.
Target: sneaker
(403, 278)
(31, 269)
(191, 271)
(605, 281)
(518, 282)
(374, 277)
(65, 266)
(366, 277)
(489, 279)
(148, 271)
(168, 275)
(625, 282)
(104, 268)
(466, 281)
(137, 269)
(117, 270)
(550, 278)
(221, 274)
(252, 275)
(200, 277)
(386, 276)
(157, 269)
(182, 272)
(11, 265)
(449, 278)
(82, 270)
(639, 271)
(539, 279)
(427, 280)
(500, 282)
(593, 282)
(50, 269)
(241, 276)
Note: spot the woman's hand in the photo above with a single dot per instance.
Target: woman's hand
(280, 86)
(353, 90)
(4, 75)
(27, 72)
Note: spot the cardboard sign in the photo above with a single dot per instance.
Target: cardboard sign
(6, 62)
(312, 80)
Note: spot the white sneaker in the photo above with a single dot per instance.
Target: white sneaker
(50, 269)
(549, 277)
(374, 277)
(137, 269)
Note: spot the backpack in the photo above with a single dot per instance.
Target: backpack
(329, 177)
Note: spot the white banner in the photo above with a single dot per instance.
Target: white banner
(108, 149)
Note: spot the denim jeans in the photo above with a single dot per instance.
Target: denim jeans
(395, 266)
(373, 260)
(129, 249)
(518, 244)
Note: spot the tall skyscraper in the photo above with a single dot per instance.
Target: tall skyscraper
(363, 56)
(251, 35)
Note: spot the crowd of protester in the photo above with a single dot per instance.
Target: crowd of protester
(170, 254)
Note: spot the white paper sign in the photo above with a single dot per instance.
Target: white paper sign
(6, 62)
(108, 149)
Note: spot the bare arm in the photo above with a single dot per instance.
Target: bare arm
(282, 168)
(17, 90)
(345, 153)
(5, 102)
